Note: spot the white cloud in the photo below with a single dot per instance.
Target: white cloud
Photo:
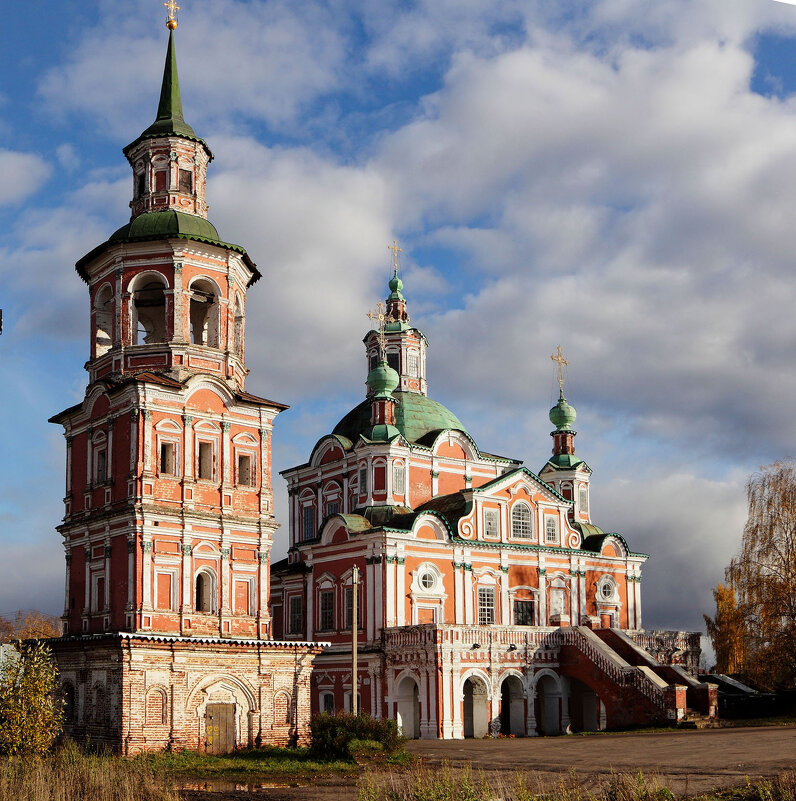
(23, 174)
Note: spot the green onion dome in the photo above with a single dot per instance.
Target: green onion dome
(383, 379)
(562, 415)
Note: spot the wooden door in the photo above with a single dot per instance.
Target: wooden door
(220, 726)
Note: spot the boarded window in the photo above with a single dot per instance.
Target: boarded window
(168, 458)
(583, 502)
(102, 466)
(295, 624)
(185, 178)
(243, 597)
(205, 461)
(379, 479)
(245, 472)
(308, 523)
(327, 610)
(523, 613)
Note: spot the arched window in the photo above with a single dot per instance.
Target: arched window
(282, 709)
(103, 321)
(205, 591)
(204, 314)
(156, 707)
(149, 313)
(521, 523)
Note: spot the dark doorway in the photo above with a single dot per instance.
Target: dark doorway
(220, 723)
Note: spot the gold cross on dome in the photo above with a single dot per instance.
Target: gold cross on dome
(383, 319)
(171, 22)
(558, 358)
(395, 251)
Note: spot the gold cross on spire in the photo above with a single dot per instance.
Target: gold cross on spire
(559, 359)
(383, 319)
(395, 251)
(171, 22)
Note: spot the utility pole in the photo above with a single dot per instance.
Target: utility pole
(354, 624)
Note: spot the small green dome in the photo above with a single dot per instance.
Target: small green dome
(382, 432)
(396, 284)
(562, 415)
(383, 379)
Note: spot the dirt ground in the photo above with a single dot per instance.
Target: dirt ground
(685, 761)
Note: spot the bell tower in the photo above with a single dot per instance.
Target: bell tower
(168, 505)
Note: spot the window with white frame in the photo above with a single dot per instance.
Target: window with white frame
(333, 507)
(327, 702)
(523, 612)
(583, 499)
(308, 522)
(521, 522)
(168, 458)
(551, 530)
(326, 606)
(413, 363)
(101, 464)
(205, 461)
(245, 469)
(295, 615)
(491, 521)
(363, 480)
(349, 608)
(486, 606)
(398, 484)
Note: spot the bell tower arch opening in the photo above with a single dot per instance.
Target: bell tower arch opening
(149, 311)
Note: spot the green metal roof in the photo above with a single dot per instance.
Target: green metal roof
(565, 461)
(415, 416)
(169, 121)
(154, 225)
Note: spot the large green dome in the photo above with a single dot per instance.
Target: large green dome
(416, 417)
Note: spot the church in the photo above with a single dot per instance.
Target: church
(168, 508)
(488, 601)
(482, 596)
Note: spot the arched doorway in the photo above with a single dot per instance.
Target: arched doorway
(409, 708)
(512, 706)
(476, 708)
(584, 706)
(548, 709)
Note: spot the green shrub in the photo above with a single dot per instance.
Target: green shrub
(339, 736)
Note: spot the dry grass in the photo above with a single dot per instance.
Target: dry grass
(70, 775)
(451, 784)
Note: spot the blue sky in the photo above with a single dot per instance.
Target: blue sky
(615, 176)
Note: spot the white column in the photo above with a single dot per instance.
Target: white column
(133, 440)
(378, 590)
(187, 574)
(401, 592)
(109, 455)
(447, 710)
(456, 701)
(226, 605)
(226, 456)
(582, 594)
(370, 603)
(432, 702)
(87, 593)
(573, 598)
(407, 484)
(423, 693)
(187, 462)
(68, 556)
(630, 584)
(564, 684)
(89, 456)
(505, 612)
(178, 333)
(638, 601)
(147, 577)
(309, 612)
(543, 620)
(530, 702)
(468, 593)
(263, 583)
(263, 482)
(458, 592)
(319, 506)
(147, 441)
(106, 601)
(130, 572)
(344, 503)
(69, 465)
(390, 589)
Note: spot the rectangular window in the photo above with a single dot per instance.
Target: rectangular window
(412, 362)
(349, 607)
(398, 478)
(296, 619)
(101, 472)
(363, 480)
(206, 460)
(164, 591)
(140, 185)
(168, 458)
(486, 606)
(333, 507)
(392, 361)
(308, 523)
(160, 181)
(186, 181)
(550, 530)
(490, 522)
(583, 495)
(523, 613)
(326, 598)
(245, 472)
(327, 703)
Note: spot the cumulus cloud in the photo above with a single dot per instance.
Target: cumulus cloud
(23, 174)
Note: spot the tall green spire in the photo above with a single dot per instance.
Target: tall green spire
(170, 121)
